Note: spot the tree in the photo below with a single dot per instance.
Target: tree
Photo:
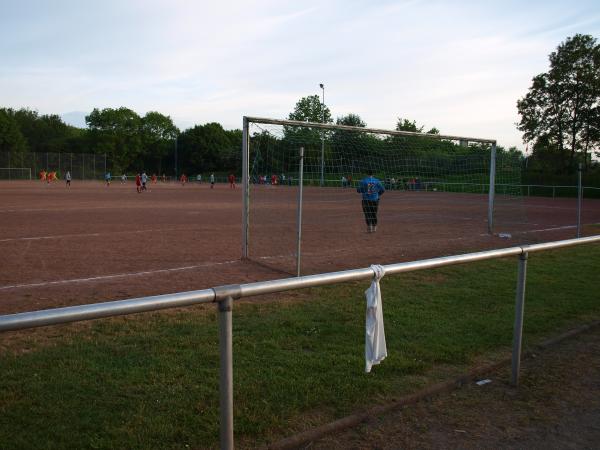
(158, 138)
(310, 109)
(208, 148)
(407, 125)
(352, 120)
(562, 107)
(349, 144)
(11, 138)
(411, 146)
(117, 132)
(45, 133)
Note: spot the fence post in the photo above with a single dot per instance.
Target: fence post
(528, 192)
(300, 189)
(519, 310)
(226, 374)
(579, 196)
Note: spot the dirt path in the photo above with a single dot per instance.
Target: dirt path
(556, 406)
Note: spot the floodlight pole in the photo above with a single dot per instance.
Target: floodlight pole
(322, 137)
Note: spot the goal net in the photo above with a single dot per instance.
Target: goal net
(15, 173)
(437, 194)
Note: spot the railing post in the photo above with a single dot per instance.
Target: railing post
(519, 310)
(225, 374)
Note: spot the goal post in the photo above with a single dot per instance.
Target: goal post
(15, 173)
(336, 157)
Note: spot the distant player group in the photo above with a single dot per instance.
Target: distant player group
(370, 188)
(141, 179)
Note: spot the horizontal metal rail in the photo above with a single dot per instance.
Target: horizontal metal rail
(326, 126)
(55, 316)
(79, 313)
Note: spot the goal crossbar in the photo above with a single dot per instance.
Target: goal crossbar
(326, 126)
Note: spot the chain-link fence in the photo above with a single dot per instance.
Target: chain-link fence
(83, 166)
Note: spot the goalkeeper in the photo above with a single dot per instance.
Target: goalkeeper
(371, 189)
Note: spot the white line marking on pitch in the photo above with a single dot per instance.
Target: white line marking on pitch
(84, 208)
(61, 236)
(564, 227)
(118, 275)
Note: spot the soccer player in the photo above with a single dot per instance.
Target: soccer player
(107, 178)
(68, 178)
(183, 179)
(371, 189)
(231, 179)
(123, 179)
(138, 183)
(144, 180)
(212, 180)
(199, 178)
(154, 178)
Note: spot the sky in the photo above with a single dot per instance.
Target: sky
(457, 65)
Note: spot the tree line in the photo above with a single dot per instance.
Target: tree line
(131, 142)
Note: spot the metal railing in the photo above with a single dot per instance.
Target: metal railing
(225, 295)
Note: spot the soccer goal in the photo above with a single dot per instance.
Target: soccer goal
(15, 173)
(302, 212)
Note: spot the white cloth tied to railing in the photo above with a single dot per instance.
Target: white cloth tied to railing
(375, 348)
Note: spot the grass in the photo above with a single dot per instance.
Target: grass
(151, 380)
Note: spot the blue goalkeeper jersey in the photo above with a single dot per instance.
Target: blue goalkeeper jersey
(370, 188)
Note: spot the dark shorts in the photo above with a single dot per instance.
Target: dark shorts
(370, 210)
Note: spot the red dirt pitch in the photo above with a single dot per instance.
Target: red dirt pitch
(91, 243)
